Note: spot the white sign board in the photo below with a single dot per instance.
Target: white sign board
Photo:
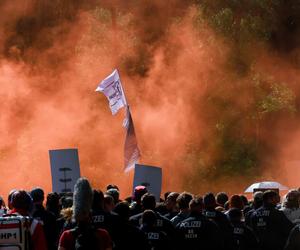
(65, 169)
(150, 177)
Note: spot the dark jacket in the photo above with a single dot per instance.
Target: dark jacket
(271, 227)
(226, 230)
(293, 242)
(197, 232)
(48, 221)
(244, 237)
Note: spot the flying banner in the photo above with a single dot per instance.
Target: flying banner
(131, 150)
(112, 88)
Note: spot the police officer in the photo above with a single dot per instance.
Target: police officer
(270, 225)
(257, 203)
(103, 219)
(197, 232)
(162, 223)
(182, 201)
(129, 236)
(244, 237)
(220, 219)
(157, 239)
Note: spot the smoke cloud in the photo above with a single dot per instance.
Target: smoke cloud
(53, 55)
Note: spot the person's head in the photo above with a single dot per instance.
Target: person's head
(110, 186)
(109, 203)
(209, 201)
(270, 197)
(236, 202)
(2, 203)
(9, 200)
(149, 218)
(123, 210)
(52, 202)
(98, 200)
(21, 202)
(82, 201)
(235, 215)
(221, 198)
(244, 200)
(226, 206)
(171, 201)
(113, 192)
(37, 195)
(166, 194)
(257, 199)
(139, 191)
(66, 202)
(67, 214)
(292, 199)
(148, 201)
(196, 205)
(183, 200)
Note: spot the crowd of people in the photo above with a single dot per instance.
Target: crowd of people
(91, 219)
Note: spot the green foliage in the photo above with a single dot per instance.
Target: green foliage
(279, 98)
(234, 146)
(253, 26)
(223, 21)
(244, 21)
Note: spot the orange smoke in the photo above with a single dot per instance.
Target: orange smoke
(52, 61)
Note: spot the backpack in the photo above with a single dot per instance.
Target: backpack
(86, 239)
(15, 232)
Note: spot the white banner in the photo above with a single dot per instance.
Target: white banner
(112, 88)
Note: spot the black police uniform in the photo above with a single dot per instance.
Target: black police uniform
(108, 221)
(130, 237)
(226, 230)
(157, 240)
(244, 237)
(197, 232)
(162, 224)
(271, 227)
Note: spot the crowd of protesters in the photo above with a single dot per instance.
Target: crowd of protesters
(92, 219)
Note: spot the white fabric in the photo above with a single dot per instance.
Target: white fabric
(112, 88)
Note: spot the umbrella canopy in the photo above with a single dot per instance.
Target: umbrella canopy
(265, 185)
